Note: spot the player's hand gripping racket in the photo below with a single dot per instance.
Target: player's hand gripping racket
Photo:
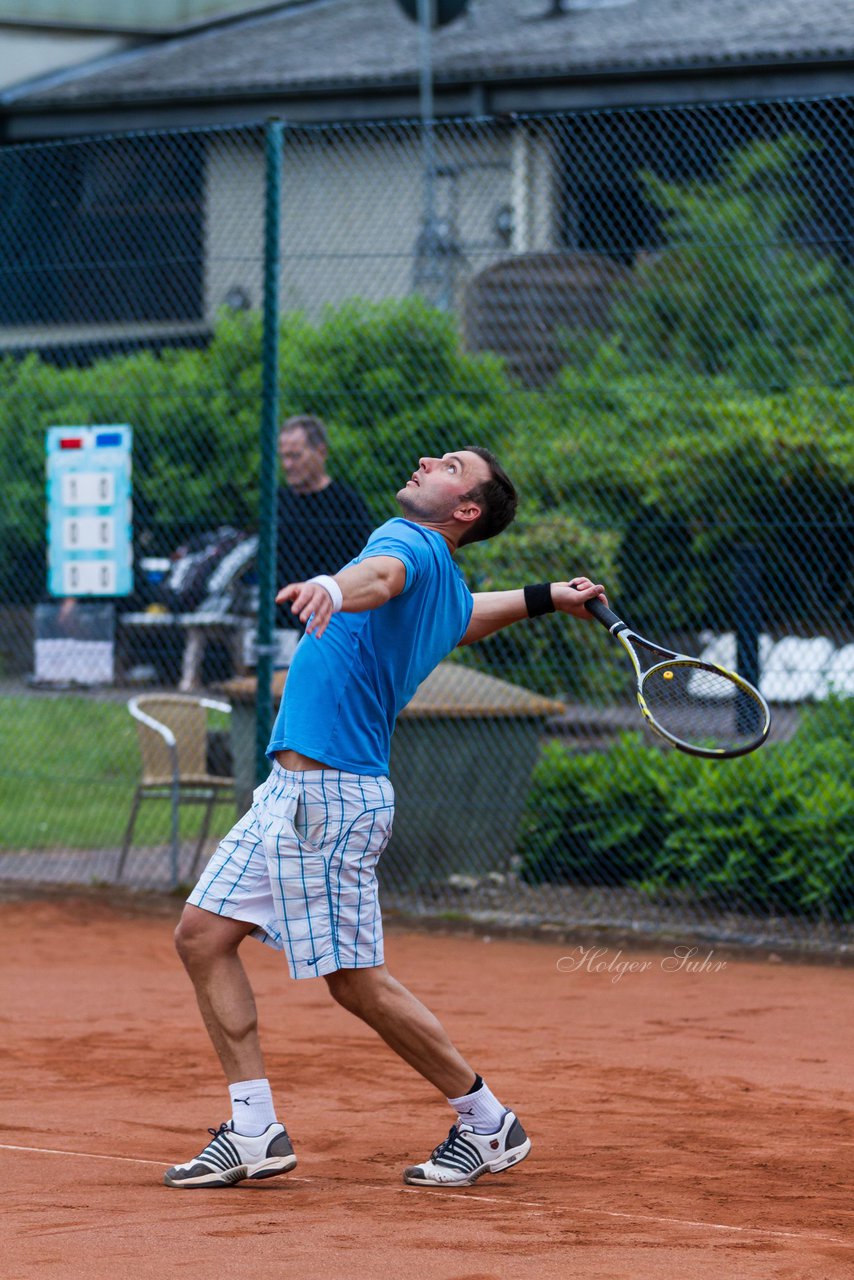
(697, 706)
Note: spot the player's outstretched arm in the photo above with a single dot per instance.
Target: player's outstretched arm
(494, 610)
(367, 585)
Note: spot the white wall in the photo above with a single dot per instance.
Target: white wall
(26, 53)
(352, 209)
(234, 221)
(119, 13)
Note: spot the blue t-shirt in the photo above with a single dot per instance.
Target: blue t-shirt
(344, 691)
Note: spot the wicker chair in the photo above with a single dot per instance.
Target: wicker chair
(173, 738)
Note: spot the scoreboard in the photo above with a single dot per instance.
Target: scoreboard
(90, 540)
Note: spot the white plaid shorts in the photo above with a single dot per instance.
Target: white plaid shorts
(301, 866)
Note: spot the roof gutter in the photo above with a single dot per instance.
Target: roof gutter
(461, 94)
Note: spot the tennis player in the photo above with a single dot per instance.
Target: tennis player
(298, 871)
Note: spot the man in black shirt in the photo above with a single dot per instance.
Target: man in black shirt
(320, 521)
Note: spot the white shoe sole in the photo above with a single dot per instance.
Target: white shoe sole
(240, 1173)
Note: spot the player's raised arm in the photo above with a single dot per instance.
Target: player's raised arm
(494, 610)
(359, 587)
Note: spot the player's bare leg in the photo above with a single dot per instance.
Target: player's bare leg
(487, 1137)
(207, 945)
(407, 1026)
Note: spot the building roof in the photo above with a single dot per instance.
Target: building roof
(361, 46)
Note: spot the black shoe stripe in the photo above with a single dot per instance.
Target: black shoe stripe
(460, 1155)
(214, 1161)
(220, 1153)
(465, 1159)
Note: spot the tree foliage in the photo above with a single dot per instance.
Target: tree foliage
(774, 830)
(737, 291)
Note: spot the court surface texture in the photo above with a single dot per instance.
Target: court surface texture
(692, 1116)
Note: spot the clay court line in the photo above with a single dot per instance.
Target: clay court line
(82, 1155)
(529, 1204)
(91, 1155)
(645, 1217)
(717, 1226)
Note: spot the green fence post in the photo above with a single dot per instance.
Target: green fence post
(274, 144)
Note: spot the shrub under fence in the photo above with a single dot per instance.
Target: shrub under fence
(771, 833)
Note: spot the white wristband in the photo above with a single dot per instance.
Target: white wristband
(332, 587)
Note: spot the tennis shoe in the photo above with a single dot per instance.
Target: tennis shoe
(465, 1156)
(231, 1157)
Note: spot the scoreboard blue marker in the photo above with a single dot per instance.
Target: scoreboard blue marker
(90, 540)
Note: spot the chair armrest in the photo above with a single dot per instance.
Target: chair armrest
(165, 732)
(213, 704)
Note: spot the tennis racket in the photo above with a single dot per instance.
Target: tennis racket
(696, 706)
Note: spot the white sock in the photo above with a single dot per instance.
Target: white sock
(480, 1108)
(252, 1109)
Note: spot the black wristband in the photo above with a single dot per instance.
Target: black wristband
(538, 599)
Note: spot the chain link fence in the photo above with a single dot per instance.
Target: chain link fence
(645, 313)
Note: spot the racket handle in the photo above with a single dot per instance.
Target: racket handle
(603, 614)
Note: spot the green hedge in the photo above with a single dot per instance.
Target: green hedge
(686, 468)
(390, 378)
(773, 831)
(554, 655)
(653, 480)
(393, 382)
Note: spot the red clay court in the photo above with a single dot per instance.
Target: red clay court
(685, 1124)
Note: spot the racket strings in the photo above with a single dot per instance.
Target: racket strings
(702, 707)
